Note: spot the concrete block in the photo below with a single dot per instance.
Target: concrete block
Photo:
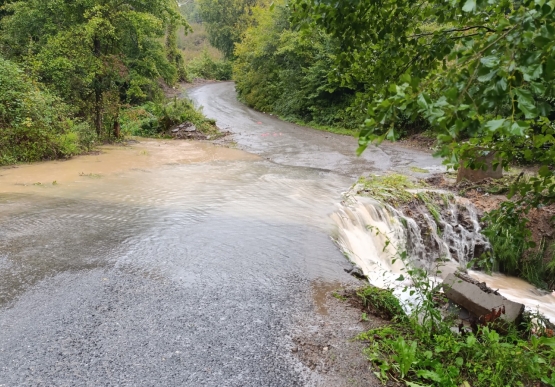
(479, 302)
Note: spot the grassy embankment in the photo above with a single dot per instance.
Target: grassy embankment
(428, 347)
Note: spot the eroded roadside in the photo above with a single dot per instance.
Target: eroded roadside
(183, 262)
(323, 339)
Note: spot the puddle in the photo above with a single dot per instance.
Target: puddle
(320, 292)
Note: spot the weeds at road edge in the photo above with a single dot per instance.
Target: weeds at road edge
(423, 349)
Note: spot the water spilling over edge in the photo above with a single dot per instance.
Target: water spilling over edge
(373, 234)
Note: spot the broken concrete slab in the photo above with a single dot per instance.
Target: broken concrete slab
(487, 306)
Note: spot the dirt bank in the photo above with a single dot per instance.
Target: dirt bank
(487, 195)
(324, 341)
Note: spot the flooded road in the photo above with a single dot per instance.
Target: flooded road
(170, 263)
(294, 145)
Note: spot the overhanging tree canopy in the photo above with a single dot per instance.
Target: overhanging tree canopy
(481, 73)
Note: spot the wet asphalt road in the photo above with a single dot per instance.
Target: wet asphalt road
(187, 275)
(294, 145)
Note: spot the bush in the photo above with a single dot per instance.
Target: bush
(34, 125)
(87, 137)
(513, 250)
(207, 68)
(155, 119)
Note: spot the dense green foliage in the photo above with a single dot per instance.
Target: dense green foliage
(191, 11)
(206, 67)
(226, 20)
(284, 71)
(34, 124)
(479, 73)
(203, 61)
(86, 57)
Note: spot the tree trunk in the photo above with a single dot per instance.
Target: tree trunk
(98, 112)
(117, 128)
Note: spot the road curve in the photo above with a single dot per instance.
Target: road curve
(183, 274)
(293, 145)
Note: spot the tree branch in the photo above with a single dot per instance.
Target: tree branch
(488, 29)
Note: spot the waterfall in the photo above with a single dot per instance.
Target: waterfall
(374, 234)
(370, 233)
(436, 229)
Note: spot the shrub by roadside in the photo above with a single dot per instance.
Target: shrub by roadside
(205, 67)
(156, 119)
(35, 125)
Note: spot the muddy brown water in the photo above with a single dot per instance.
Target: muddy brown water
(175, 263)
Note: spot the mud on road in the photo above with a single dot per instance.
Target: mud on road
(181, 264)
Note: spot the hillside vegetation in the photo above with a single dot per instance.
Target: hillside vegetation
(203, 60)
(479, 77)
(69, 68)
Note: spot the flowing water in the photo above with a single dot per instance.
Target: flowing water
(182, 263)
(374, 234)
(162, 259)
(173, 262)
(156, 206)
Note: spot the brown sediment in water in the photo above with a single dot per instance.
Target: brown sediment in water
(114, 159)
(518, 290)
(320, 293)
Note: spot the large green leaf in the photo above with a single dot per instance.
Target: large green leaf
(469, 6)
(526, 103)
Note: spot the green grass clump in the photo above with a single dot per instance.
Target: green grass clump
(381, 302)
(391, 188)
(484, 358)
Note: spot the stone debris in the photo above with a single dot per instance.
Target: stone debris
(481, 285)
(187, 130)
(356, 272)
